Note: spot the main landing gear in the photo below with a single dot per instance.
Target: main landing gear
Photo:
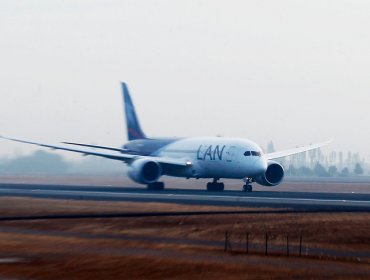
(214, 186)
(155, 186)
(248, 185)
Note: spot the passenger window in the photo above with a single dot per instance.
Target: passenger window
(247, 153)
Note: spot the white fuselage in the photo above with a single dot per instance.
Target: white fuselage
(216, 157)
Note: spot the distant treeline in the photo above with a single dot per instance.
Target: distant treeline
(321, 171)
(42, 162)
(318, 163)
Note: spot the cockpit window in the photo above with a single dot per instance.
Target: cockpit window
(252, 153)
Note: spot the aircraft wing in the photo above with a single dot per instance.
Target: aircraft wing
(128, 158)
(294, 151)
(96, 147)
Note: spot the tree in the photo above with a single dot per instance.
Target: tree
(320, 170)
(38, 162)
(332, 170)
(344, 172)
(304, 171)
(358, 169)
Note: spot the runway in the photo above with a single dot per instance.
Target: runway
(300, 201)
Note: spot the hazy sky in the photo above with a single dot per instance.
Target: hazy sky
(294, 72)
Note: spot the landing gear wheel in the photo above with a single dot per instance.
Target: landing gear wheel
(247, 188)
(215, 187)
(156, 186)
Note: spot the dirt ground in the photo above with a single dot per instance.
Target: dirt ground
(180, 247)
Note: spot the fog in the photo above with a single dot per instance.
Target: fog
(309, 164)
(40, 163)
(294, 72)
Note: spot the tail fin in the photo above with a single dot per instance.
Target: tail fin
(133, 126)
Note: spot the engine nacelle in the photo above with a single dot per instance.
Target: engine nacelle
(273, 175)
(145, 171)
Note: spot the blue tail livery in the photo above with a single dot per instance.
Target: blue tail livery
(133, 126)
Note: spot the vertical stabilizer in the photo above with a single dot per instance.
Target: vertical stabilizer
(133, 126)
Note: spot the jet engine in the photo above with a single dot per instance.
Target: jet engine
(145, 171)
(273, 176)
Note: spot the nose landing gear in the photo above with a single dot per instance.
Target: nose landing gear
(248, 185)
(214, 186)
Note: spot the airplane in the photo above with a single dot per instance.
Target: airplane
(196, 157)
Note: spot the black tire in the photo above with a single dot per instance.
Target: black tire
(156, 186)
(247, 188)
(215, 187)
(220, 187)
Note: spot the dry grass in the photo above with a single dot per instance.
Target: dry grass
(48, 254)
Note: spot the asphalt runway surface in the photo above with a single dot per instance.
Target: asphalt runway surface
(292, 201)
